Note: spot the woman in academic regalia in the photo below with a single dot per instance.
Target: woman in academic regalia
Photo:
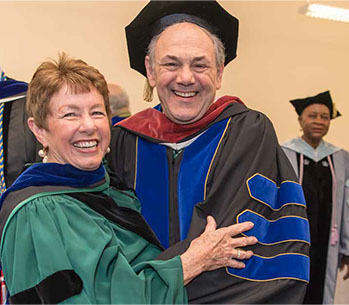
(323, 171)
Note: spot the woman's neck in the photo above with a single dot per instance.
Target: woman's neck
(312, 142)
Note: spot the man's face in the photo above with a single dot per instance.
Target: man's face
(185, 72)
(315, 121)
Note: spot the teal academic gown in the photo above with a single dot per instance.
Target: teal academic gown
(57, 249)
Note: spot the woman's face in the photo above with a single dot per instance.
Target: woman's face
(78, 129)
(315, 121)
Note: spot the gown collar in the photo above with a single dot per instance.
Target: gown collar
(323, 150)
(54, 174)
(154, 124)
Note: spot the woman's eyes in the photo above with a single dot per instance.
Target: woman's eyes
(98, 113)
(313, 116)
(69, 115)
(93, 113)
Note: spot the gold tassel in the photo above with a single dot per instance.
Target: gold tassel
(148, 92)
(334, 111)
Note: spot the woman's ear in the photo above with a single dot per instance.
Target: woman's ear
(37, 131)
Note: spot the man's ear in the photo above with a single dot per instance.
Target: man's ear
(219, 77)
(150, 72)
(37, 131)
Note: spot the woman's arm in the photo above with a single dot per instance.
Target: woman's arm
(56, 249)
(215, 249)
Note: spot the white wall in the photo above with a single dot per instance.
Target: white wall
(282, 54)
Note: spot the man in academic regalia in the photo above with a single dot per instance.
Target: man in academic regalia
(323, 171)
(18, 145)
(193, 156)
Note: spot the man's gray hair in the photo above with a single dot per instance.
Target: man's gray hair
(218, 45)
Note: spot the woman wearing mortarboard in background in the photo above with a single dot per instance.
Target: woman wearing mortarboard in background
(323, 171)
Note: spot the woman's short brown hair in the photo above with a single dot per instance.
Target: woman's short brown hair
(52, 75)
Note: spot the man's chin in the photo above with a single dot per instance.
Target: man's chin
(185, 120)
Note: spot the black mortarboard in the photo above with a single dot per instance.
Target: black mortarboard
(322, 98)
(157, 15)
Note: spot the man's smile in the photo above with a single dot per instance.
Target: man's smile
(185, 94)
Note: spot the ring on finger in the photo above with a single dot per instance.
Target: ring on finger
(238, 254)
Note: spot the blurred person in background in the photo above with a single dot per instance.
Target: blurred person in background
(119, 103)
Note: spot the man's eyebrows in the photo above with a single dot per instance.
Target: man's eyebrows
(199, 58)
(173, 57)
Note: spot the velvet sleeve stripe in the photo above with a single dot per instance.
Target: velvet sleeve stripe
(266, 191)
(286, 266)
(52, 290)
(270, 232)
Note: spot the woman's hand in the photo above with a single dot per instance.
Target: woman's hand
(216, 248)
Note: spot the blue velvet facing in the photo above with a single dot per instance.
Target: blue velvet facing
(264, 190)
(43, 174)
(192, 175)
(152, 176)
(152, 171)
